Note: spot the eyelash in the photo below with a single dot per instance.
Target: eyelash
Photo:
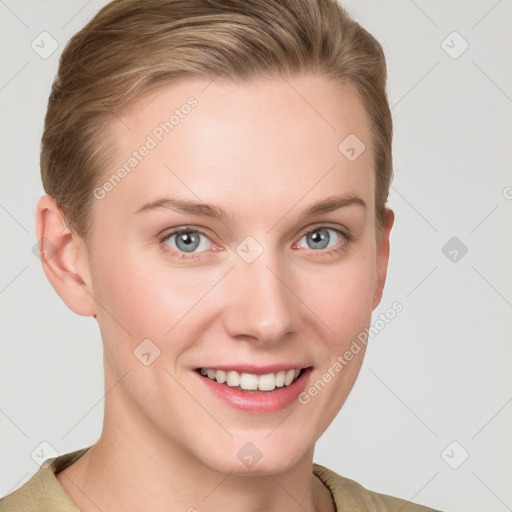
(346, 236)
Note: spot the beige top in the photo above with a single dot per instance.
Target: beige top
(43, 492)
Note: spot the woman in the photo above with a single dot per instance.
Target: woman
(216, 175)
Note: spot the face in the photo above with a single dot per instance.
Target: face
(259, 281)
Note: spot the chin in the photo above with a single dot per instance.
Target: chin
(255, 458)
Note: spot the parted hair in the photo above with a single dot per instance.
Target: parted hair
(132, 48)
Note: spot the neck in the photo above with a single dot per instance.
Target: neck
(134, 467)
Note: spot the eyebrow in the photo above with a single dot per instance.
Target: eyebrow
(327, 205)
(331, 204)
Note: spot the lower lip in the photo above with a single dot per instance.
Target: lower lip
(259, 401)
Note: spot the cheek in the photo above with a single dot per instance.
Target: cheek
(145, 296)
(341, 295)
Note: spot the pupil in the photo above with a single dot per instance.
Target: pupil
(319, 239)
(187, 242)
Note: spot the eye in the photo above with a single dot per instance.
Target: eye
(322, 238)
(187, 241)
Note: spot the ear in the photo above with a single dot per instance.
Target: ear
(64, 257)
(383, 257)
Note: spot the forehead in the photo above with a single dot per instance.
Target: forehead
(257, 145)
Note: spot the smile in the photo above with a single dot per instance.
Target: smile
(251, 381)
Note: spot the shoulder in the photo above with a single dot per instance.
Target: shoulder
(351, 497)
(36, 495)
(43, 492)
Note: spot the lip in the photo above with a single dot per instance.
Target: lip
(258, 401)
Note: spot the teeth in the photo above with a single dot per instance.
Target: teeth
(267, 382)
(233, 379)
(290, 375)
(220, 376)
(249, 381)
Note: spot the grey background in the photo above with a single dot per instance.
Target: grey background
(439, 372)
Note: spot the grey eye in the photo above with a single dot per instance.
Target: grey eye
(321, 237)
(187, 241)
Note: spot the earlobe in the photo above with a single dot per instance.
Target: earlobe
(383, 257)
(64, 258)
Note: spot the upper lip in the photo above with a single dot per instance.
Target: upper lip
(256, 370)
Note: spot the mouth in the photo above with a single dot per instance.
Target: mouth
(253, 382)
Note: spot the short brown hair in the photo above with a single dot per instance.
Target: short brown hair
(135, 47)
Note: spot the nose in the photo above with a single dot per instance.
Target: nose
(261, 304)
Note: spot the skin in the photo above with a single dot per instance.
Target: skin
(263, 153)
